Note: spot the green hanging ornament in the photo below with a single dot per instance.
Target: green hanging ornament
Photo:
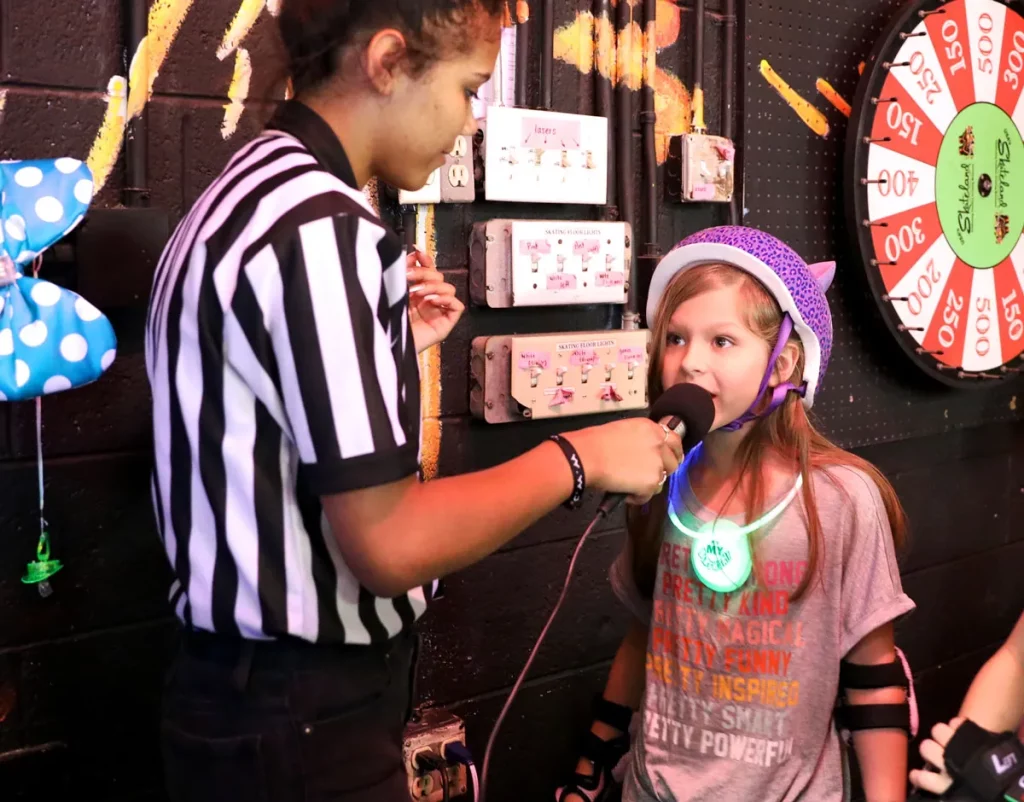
(42, 568)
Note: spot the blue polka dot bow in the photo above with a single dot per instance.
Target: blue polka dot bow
(50, 338)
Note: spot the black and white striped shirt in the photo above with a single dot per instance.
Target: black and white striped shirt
(283, 369)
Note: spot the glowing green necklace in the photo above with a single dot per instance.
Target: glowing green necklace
(720, 553)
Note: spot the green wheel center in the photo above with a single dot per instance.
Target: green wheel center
(979, 185)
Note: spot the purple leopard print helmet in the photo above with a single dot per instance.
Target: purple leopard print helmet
(798, 287)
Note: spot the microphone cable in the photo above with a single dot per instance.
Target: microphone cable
(533, 654)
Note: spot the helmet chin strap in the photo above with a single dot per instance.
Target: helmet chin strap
(779, 393)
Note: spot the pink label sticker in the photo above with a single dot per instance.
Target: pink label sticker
(726, 151)
(561, 281)
(584, 356)
(703, 192)
(631, 354)
(531, 246)
(551, 134)
(534, 359)
(583, 247)
(615, 279)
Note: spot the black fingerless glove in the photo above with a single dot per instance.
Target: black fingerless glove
(604, 755)
(987, 765)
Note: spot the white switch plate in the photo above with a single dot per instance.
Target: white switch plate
(537, 376)
(708, 168)
(545, 157)
(549, 262)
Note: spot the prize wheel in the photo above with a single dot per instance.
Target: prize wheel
(935, 162)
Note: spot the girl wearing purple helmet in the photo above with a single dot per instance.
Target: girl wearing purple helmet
(763, 580)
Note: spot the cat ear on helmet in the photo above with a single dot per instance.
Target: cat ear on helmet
(823, 273)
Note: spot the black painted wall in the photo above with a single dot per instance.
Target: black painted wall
(80, 672)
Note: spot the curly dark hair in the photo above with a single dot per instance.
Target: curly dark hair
(313, 31)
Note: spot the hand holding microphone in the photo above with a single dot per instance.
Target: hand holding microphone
(629, 459)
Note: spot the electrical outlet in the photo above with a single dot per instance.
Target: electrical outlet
(708, 172)
(545, 157)
(549, 262)
(457, 184)
(433, 729)
(428, 193)
(535, 376)
(452, 183)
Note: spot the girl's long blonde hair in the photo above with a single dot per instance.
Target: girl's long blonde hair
(786, 432)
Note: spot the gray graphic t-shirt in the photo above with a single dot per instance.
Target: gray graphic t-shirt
(741, 686)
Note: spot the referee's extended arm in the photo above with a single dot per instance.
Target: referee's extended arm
(400, 535)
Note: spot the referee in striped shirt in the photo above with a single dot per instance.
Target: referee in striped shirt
(281, 347)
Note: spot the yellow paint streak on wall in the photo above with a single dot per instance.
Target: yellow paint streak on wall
(238, 91)
(165, 19)
(860, 68)
(604, 34)
(106, 147)
(672, 107)
(574, 43)
(430, 360)
(630, 56)
(812, 118)
(650, 54)
(833, 96)
(246, 16)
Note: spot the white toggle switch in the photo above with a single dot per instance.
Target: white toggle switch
(559, 373)
(586, 262)
(535, 262)
(609, 261)
(632, 370)
(561, 262)
(535, 372)
(608, 371)
(585, 371)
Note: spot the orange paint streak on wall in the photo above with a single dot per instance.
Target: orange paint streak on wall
(672, 106)
(668, 24)
(833, 96)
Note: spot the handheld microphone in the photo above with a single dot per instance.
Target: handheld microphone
(686, 409)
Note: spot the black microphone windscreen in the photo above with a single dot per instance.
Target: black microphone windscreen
(693, 404)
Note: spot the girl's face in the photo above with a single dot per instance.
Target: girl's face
(709, 344)
(427, 112)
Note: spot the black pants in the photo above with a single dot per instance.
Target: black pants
(287, 720)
